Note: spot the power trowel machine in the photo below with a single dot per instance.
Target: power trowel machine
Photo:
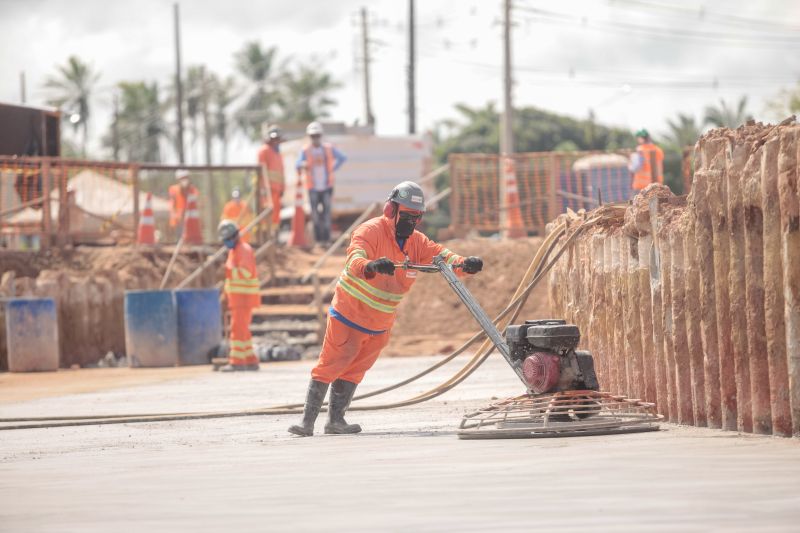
(563, 395)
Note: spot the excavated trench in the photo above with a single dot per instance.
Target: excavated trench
(88, 285)
(694, 302)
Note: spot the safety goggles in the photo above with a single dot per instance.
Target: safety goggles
(410, 216)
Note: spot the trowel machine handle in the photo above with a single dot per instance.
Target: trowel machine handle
(407, 265)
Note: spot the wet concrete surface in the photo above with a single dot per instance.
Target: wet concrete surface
(407, 472)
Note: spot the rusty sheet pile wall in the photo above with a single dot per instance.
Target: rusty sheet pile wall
(694, 302)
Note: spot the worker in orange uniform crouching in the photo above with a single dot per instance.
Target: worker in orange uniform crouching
(363, 309)
(242, 293)
(238, 211)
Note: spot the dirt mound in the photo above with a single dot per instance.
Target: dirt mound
(432, 319)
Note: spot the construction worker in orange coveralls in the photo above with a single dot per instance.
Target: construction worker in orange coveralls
(647, 163)
(179, 194)
(235, 209)
(363, 309)
(242, 293)
(273, 179)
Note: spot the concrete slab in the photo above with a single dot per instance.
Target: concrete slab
(408, 471)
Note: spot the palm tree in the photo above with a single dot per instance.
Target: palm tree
(223, 93)
(723, 116)
(305, 93)
(683, 131)
(140, 122)
(257, 66)
(71, 91)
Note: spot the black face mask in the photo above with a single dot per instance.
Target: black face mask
(405, 224)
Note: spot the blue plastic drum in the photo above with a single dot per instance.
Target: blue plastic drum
(199, 325)
(151, 328)
(32, 334)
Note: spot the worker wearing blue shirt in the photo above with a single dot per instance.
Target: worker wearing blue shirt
(318, 161)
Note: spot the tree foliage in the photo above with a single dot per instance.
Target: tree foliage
(786, 103)
(140, 124)
(71, 90)
(727, 116)
(304, 92)
(535, 130)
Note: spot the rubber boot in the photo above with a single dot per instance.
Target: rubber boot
(341, 394)
(314, 398)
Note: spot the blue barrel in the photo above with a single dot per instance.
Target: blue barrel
(31, 334)
(199, 325)
(151, 328)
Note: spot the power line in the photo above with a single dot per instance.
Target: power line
(704, 15)
(712, 38)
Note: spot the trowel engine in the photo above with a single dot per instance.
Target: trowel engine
(543, 352)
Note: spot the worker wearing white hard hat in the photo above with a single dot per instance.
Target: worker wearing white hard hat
(318, 162)
(273, 180)
(179, 195)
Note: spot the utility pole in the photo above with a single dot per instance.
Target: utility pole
(178, 84)
(22, 89)
(507, 134)
(511, 225)
(370, 118)
(204, 86)
(115, 128)
(412, 105)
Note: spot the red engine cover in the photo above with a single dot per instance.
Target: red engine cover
(542, 371)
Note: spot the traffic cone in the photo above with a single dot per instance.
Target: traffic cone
(513, 227)
(191, 221)
(147, 223)
(298, 236)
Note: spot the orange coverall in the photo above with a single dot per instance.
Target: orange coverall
(652, 169)
(242, 291)
(271, 159)
(237, 211)
(369, 302)
(178, 198)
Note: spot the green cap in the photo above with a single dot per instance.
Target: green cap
(642, 133)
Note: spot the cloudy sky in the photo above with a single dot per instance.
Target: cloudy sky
(634, 62)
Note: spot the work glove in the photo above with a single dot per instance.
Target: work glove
(472, 265)
(380, 266)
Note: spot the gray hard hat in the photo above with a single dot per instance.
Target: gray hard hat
(227, 229)
(410, 195)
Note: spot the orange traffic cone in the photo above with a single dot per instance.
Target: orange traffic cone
(513, 227)
(191, 221)
(147, 223)
(298, 236)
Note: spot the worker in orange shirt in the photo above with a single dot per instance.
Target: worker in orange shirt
(647, 163)
(273, 180)
(243, 294)
(179, 195)
(363, 309)
(239, 212)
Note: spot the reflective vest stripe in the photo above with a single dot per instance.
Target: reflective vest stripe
(355, 254)
(360, 296)
(451, 257)
(242, 282)
(241, 344)
(393, 297)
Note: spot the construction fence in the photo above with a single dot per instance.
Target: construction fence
(694, 303)
(47, 201)
(547, 183)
